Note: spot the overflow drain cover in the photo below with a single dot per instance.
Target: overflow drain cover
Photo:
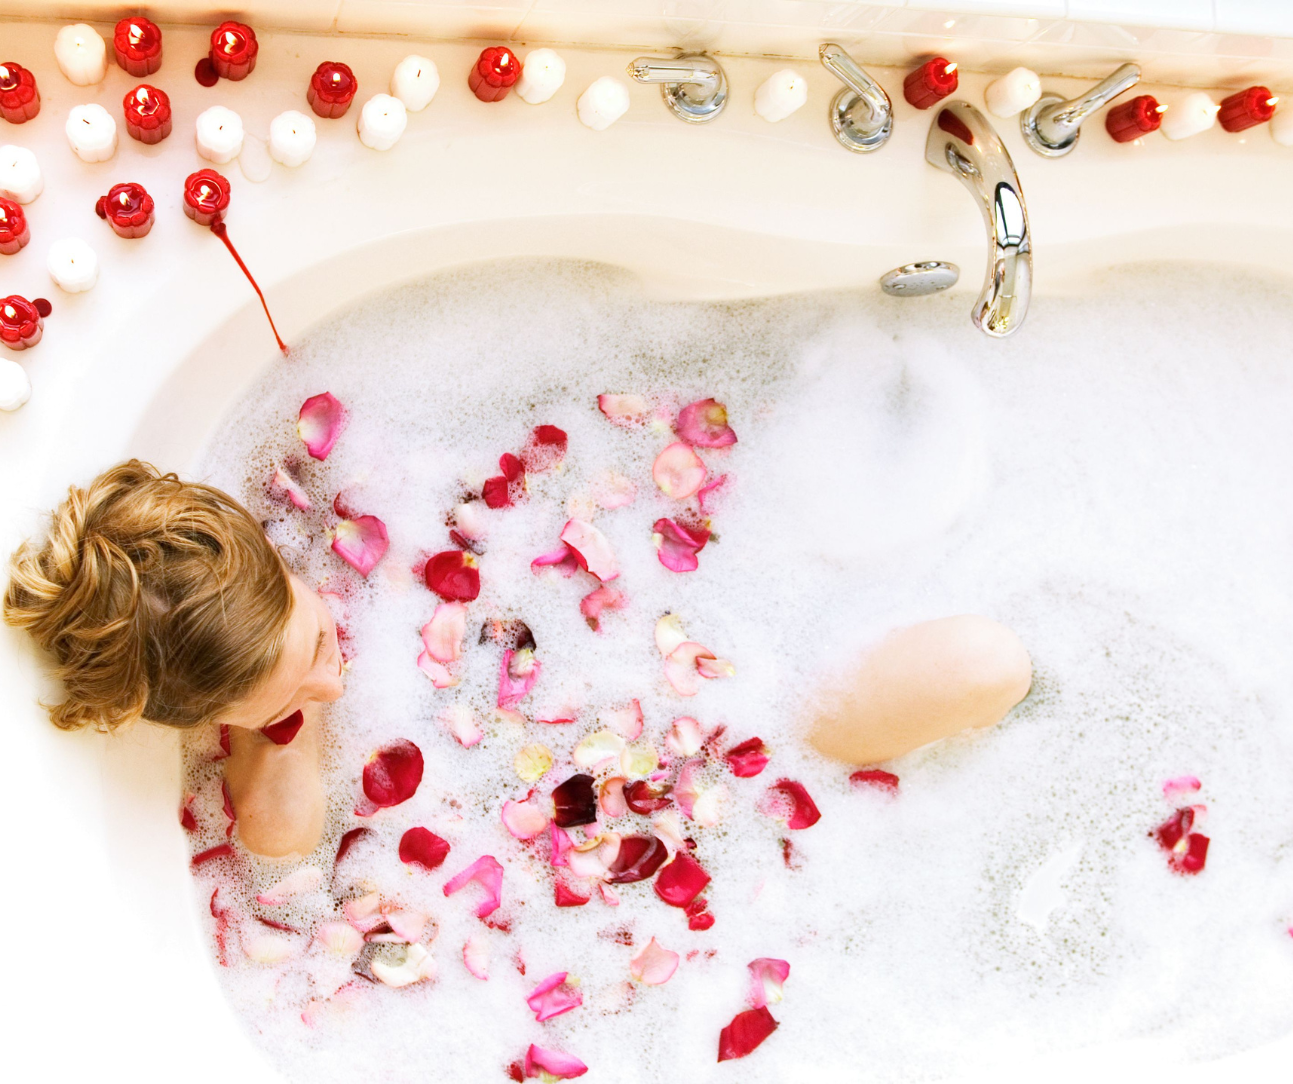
(918, 279)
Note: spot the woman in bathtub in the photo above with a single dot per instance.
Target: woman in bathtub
(163, 600)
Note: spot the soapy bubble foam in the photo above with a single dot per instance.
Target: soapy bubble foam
(1119, 496)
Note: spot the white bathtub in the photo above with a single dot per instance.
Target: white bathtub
(109, 971)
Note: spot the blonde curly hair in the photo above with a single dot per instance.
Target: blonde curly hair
(158, 599)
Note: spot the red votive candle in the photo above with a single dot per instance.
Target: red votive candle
(19, 98)
(21, 325)
(128, 209)
(206, 196)
(233, 50)
(332, 89)
(493, 74)
(137, 43)
(1135, 118)
(1256, 105)
(931, 82)
(14, 231)
(148, 114)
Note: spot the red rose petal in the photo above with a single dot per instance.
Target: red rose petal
(604, 598)
(1175, 828)
(681, 881)
(511, 466)
(420, 847)
(703, 424)
(392, 774)
(1195, 857)
(874, 777)
(744, 1034)
(495, 492)
(644, 797)
(187, 821)
(747, 759)
(361, 542)
(223, 850)
(638, 858)
(790, 800)
(282, 732)
(553, 997)
(677, 546)
(453, 576)
(700, 922)
(228, 809)
(575, 802)
(567, 897)
(224, 742)
(546, 449)
(349, 840)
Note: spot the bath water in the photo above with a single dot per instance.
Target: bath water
(1113, 483)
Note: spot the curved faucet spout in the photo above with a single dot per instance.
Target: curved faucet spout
(962, 142)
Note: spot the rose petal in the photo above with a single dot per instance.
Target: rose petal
(560, 846)
(228, 808)
(789, 801)
(1183, 786)
(678, 471)
(282, 732)
(766, 979)
(546, 449)
(604, 598)
(704, 425)
(305, 879)
(441, 676)
(611, 796)
(707, 666)
(349, 840)
(392, 775)
(221, 850)
(461, 723)
(475, 954)
(637, 859)
(575, 802)
(597, 747)
(553, 1062)
(532, 762)
(523, 820)
(874, 777)
(668, 830)
(627, 720)
(187, 820)
(747, 759)
(669, 635)
(708, 492)
(681, 881)
(567, 897)
(364, 913)
(644, 798)
(744, 1034)
(654, 965)
(682, 667)
(639, 760)
(554, 996)
(487, 872)
(320, 423)
(561, 560)
(708, 808)
(403, 965)
(283, 487)
(700, 922)
(611, 490)
(516, 677)
(361, 542)
(609, 896)
(453, 576)
(406, 925)
(625, 410)
(421, 847)
(495, 492)
(677, 546)
(339, 938)
(224, 742)
(1195, 856)
(442, 636)
(591, 549)
(266, 948)
(685, 737)
(470, 521)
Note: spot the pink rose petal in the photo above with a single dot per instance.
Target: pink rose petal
(677, 546)
(561, 560)
(874, 777)
(704, 425)
(654, 965)
(516, 676)
(790, 801)
(684, 665)
(611, 797)
(613, 491)
(392, 775)
(422, 847)
(475, 954)
(707, 493)
(442, 636)
(361, 542)
(685, 737)
(669, 635)
(681, 881)
(553, 996)
(767, 976)
(609, 896)
(441, 676)
(591, 549)
(1183, 786)
(486, 872)
(744, 1034)
(305, 879)
(283, 487)
(626, 720)
(523, 820)
(711, 668)
(678, 471)
(461, 723)
(339, 938)
(553, 1062)
(747, 759)
(321, 421)
(601, 745)
(668, 830)
(604, 598)
(625, 410)
(453, 576)
(560, 846)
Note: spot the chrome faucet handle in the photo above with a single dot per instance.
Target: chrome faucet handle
(693, 84)
(861, 114)
(963, 143)
(1052, 126)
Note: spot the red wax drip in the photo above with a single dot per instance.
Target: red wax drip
(1133, 119)
(218, 228)
(43, 306)
(931, 82)
(204, 72)
(1245, 109)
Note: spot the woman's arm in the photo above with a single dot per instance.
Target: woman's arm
(277, 790)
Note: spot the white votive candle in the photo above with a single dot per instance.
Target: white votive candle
(780, 94)
(1281, 126)
(72, 265)
(414, 82)
(219, 134)
(1013, 93)
(292, 136)
(542, 73)
(1189, 116)
(15, 387)
(92, 132)
(382, 121)
(20, 176)
(603, 103)
(81, 54)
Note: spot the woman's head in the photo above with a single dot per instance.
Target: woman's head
(164, 600)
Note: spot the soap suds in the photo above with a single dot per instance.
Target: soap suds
(1118, 494)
